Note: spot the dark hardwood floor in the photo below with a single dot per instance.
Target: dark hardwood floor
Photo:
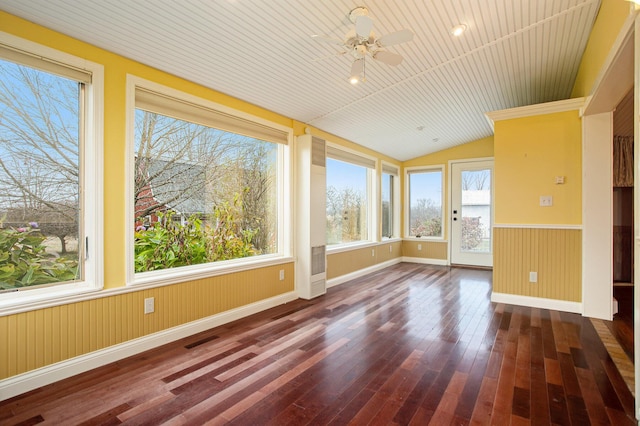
(412, 344)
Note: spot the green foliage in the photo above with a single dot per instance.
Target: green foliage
(25, 262)
(471, 233)
(169, 243)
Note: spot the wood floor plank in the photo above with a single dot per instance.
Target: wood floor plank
(410, 344)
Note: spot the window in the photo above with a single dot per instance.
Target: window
(425, 202)
(389, 191)
(207, 184)
(50, 181)
(349, 189)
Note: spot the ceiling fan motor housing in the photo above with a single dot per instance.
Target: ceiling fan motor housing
(357, 12)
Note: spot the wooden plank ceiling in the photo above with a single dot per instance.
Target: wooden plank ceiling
(514, 53)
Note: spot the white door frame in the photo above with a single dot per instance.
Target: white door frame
(450, 199)
(608, 90)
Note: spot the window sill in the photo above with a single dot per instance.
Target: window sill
(391, 240)
(435, 239)
(27, 299)
(339, 248)
(196, 272)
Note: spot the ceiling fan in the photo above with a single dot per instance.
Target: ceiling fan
(361, 42)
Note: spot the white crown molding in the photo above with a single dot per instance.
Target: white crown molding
(537, 109)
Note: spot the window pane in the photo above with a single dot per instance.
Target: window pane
(201, 194)
(39, 177)
(346, 202)
(476, 211)
(387, 205)
(425, 198)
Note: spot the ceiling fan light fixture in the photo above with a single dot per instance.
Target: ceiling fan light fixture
(461, 28)
(354, 79)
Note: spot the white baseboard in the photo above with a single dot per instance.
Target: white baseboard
(441, 262)
(537, 302)
(361, 272)
(34, 379)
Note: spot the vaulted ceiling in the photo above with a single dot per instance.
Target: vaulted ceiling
(514, 53)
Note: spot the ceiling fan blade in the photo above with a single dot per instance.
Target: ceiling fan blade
(364, 25)
(327, 39)
(388, 58)
(397, 37)
(357, 67)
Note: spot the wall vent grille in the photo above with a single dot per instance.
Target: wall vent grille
(318, 260)
(318, 149)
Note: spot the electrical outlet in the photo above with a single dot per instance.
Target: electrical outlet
(373, 252)
(533, 277)
(390, 249)
(149, 305)
(419, 246)
(281, 274)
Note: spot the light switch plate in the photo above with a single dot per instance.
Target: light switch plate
(546, 201)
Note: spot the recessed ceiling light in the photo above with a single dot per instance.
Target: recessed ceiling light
(459, 29)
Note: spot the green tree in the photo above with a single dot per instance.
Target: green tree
(168, 243)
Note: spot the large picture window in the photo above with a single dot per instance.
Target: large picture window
(349, 214)
(206, 185)
(425, 199)
(49, 183)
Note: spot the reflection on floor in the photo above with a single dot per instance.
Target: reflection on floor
(617, 335)
(617, 354)
(409, 344)
(622, 325)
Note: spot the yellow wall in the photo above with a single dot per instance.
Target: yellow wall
(611, 16)
(529, 153)
(37, 338)
(425, 249)
(346, 262)
(555, 254)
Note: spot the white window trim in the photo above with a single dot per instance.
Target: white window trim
(407, 215)
(372, 198)
(395, 211)
(193, 272)
(93, 179)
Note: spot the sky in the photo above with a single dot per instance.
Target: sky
(426, 185)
